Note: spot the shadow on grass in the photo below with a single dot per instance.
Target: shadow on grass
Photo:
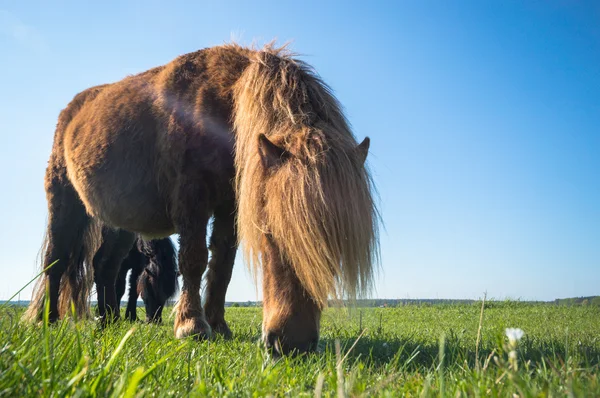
(412, 354)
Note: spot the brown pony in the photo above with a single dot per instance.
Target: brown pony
(162, 151)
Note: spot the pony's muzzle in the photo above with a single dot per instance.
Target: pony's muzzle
(280, 346)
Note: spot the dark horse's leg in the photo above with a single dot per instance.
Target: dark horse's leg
(191, 224)
(136, 270)
(223, 246)
(133, 262)
(121, 281)
(107, 262)
(67, 223)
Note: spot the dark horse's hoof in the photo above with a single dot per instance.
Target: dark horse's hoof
(131, 316)
(107, 320)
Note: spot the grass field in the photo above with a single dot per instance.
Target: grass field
(405, 351)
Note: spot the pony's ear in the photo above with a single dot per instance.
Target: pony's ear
(271, 154)
(362, 150)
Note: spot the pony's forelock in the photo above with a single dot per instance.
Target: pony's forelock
(317, 206)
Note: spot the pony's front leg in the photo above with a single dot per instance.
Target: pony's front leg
(223, 246)
(193, 257)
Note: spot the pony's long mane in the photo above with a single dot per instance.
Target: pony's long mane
(317, 206)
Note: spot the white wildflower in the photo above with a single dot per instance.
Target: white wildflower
(514, 335)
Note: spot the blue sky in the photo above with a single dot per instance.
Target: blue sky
(484, 119)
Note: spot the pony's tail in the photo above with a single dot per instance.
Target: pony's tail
(35, 310)
(82, 239)
(76, 282)
(160, 274)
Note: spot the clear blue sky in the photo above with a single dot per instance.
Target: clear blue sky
(484, 119)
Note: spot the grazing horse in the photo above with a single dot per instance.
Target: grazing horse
(153, 275)
(162, 151)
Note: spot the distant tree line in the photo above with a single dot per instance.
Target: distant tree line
(383, 303)
(591, 300)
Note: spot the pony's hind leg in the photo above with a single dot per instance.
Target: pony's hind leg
(67, 224)
(193, 257)
(107, 262)
(223, 246)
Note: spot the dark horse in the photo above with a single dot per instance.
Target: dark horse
(153, 276)
(153, 272)
(253, 138)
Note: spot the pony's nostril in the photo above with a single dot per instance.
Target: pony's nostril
(281, 346)
(273, 343)
(271, 339)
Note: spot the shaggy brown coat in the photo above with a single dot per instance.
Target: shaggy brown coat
(157, 153)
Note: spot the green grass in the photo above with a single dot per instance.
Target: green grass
(398, 354)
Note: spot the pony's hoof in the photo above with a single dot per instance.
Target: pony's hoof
(221, 328)
(195, 327)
